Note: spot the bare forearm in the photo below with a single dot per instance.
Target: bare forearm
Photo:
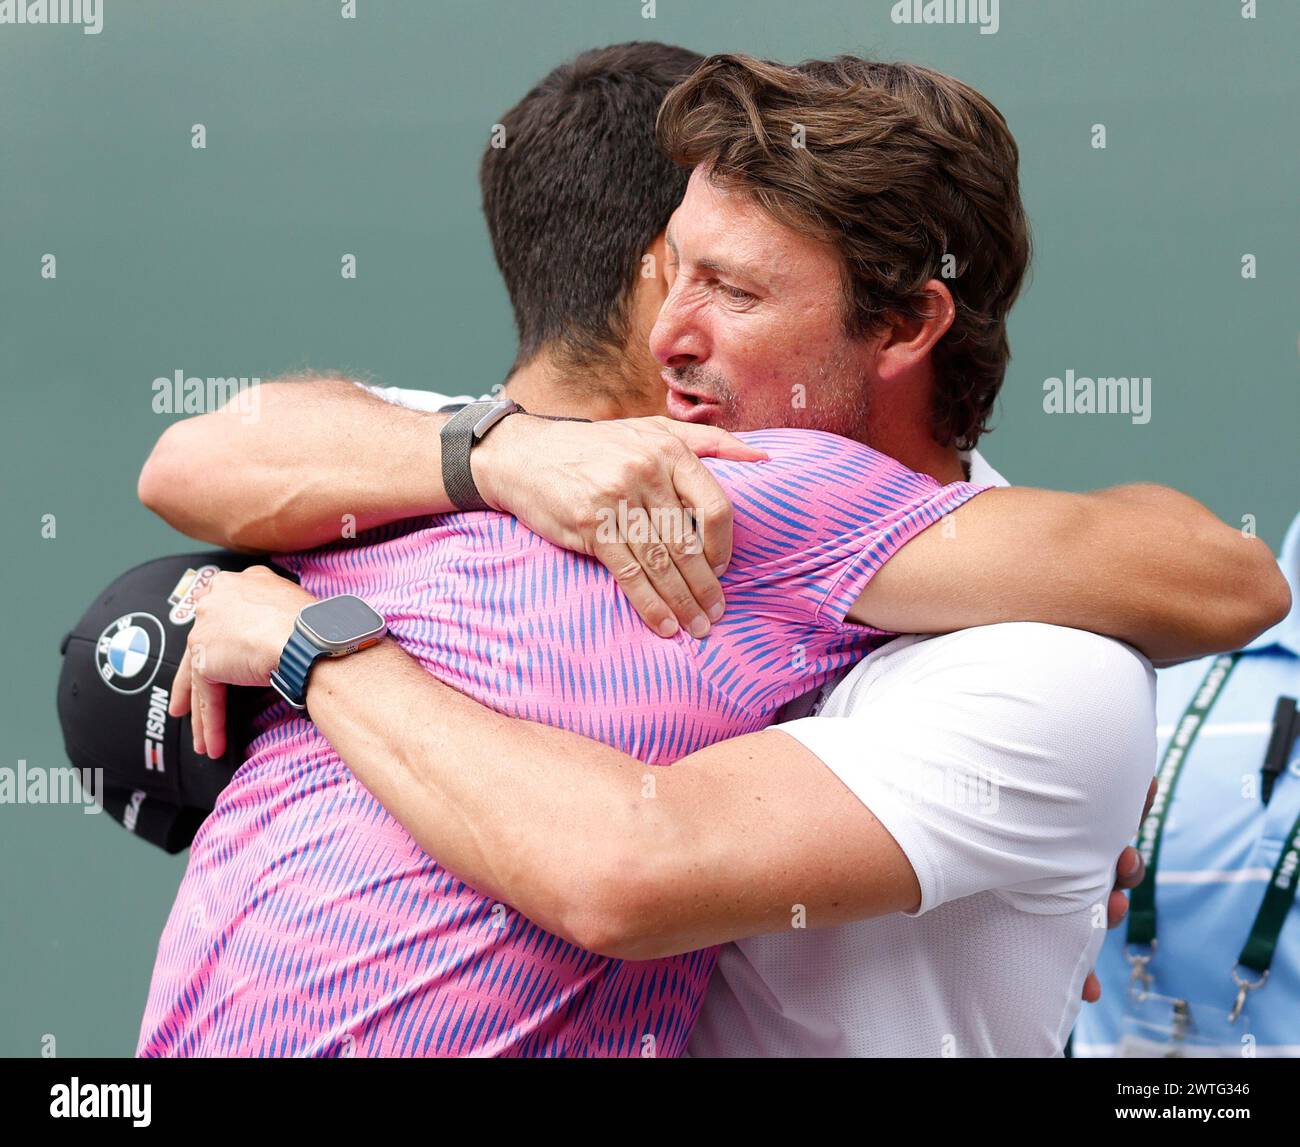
(1140, 563)
(1219, 588)
(623, 859)
(317, 460)
(483, 793)
(1180, 582)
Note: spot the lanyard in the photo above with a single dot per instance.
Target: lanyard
(1261, 944)
(1142, 901)
(1279, 897)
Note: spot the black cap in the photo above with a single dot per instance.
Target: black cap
(119, 661)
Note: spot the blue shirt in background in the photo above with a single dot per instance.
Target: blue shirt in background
(1220, 845)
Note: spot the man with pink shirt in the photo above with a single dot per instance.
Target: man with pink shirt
(310, 922)
(324, 926)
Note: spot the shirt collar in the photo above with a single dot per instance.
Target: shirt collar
(981, 473)
(1286, 632)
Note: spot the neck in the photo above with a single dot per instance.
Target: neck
(542, 387)
(902, 430)
(942, 463)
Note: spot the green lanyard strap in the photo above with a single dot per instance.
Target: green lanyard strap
(1257, 955)
(1261, 944)
(1279, 897)
(1142, 901)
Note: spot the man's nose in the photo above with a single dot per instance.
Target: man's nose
(676, 339)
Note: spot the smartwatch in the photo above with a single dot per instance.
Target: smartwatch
(459, 435)
(462, 432)
(333, 627)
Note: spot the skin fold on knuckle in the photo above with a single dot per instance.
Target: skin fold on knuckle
(656, 558)
(685, 546)
(627, 573)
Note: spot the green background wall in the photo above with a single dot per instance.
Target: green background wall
(328, 136)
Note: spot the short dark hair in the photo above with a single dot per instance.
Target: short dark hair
(578, 193)
(900, 167)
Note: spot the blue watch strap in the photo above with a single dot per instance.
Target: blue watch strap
(289, 678)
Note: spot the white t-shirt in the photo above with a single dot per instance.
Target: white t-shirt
(426, 400)
(1010, 763)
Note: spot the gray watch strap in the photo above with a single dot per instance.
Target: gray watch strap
(459, 439)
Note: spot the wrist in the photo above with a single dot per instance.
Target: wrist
(493, 460)
(277, 636)
(278, 631)
(333, 673)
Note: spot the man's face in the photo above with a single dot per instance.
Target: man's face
(751, 334)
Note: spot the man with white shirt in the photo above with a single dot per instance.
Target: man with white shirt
(1005, 764)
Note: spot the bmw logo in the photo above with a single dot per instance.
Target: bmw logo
(129, 652)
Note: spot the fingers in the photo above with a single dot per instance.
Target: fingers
(208, 719)
(663, 537)
(1091, 988)
(638, 588)
(1130, 870)
(1116, 908)
(179, 704)
(674, 535)
(714, 442)
(214, 718)
(705, 597)
(698, 490)
(196, 714)
(674, 581)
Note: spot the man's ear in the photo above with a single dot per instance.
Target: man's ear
(650, 287)
(907, 342)
(654, 267)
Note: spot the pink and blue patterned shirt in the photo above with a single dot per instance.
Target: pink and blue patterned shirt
(309, 922)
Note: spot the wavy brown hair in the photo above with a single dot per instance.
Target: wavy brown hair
(893, 165)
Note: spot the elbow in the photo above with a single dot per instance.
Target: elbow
(599, 933)
(617, 911)
(161, 482)
(168, 486)
(1262, 594)
(1249, 594)
(1233, 590)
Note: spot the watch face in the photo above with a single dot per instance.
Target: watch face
(341, 620)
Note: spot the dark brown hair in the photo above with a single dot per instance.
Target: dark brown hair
(578, 193)
(895, 166)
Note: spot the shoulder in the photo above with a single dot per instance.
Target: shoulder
(1065, 717)
(812, 475)
(815, 453)
(1014, 757)
(1055, 684)
(1025, 650)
